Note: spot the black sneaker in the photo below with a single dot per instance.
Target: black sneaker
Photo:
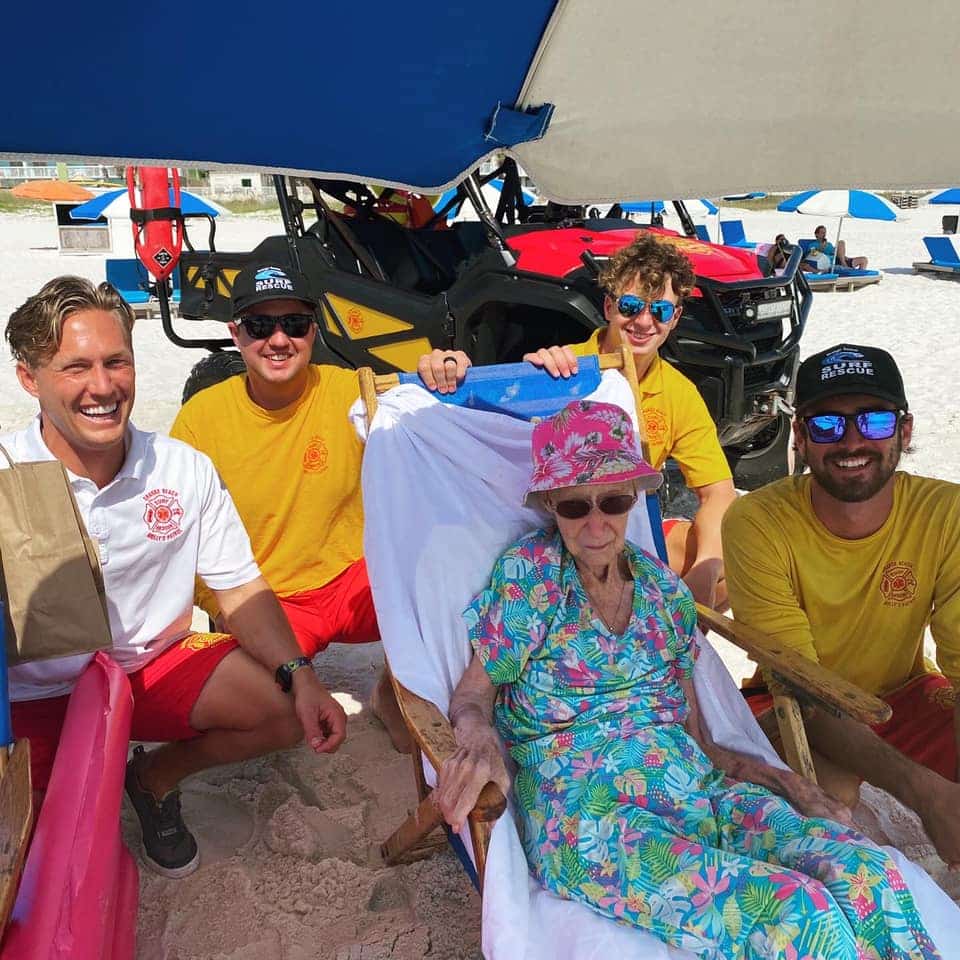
(169, 848)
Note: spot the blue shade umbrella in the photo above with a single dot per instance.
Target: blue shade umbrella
(116, 203)
(945, 196)
(701, 207)
(753, 195)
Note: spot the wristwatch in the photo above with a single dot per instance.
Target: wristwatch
(286, 671)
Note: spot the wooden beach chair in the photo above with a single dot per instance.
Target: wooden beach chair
(794, 679)
(16, 796)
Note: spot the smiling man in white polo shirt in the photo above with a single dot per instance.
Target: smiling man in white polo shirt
(160, 517)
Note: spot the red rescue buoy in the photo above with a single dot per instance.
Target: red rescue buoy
(156, 217)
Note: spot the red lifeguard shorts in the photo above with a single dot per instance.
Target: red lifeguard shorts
(921, 725)
(340, 611)
(164, 692)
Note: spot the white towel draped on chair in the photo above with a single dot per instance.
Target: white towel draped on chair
(442, 488)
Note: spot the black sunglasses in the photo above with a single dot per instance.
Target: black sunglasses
(576, 508)
(260, 326)
(872, 424)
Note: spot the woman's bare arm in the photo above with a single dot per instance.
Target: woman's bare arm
(805, 795)
(478, 759)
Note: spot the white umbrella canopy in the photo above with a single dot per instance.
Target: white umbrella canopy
(860, 204)
(708, 96)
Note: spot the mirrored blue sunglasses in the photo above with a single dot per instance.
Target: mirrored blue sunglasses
(872, 424)
(630, 305)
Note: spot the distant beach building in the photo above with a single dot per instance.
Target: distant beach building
(20, 170)
(239, 184)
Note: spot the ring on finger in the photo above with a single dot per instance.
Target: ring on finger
(449, 359)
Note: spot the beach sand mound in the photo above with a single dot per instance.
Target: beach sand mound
(291, 867)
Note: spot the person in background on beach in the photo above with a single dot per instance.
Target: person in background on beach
(645, 285)
(282, 442)
(823, 248)
(161, 518)
(848, 564)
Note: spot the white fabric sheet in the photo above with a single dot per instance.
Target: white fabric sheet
(442, 488)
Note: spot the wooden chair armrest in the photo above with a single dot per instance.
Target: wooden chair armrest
(803, 676)
(434, 736)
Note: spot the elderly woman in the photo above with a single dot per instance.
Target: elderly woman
(584, 654)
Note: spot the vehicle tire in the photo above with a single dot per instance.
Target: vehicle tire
(213, 368)
(771, 457)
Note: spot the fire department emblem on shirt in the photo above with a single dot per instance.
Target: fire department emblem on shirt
(898, 584)
(656, 425)
(163, 514)
(315, 456)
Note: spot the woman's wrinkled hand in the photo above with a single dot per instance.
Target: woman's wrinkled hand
(477, 762)
(812, 801)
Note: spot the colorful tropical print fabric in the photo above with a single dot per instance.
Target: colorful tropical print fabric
(620, 808)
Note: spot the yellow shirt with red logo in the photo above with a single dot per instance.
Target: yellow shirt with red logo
(293, 473)
(676, 420)
(859, 607)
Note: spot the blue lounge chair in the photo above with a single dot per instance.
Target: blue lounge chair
(131, 279)
(838, 278)
(702, 232)
(944, 260)
(731, 231)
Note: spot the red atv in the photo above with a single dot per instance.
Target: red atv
(511, 281)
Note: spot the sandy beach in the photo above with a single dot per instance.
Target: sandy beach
(291, 867)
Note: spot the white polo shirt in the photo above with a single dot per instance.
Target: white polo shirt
(163, 519)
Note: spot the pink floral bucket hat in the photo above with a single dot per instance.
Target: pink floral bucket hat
(588, 442)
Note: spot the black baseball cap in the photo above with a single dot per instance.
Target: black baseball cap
(259, 282)
(845, 369)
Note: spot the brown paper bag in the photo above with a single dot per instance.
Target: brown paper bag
(50, 579)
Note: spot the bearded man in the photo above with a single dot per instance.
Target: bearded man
(849, 564)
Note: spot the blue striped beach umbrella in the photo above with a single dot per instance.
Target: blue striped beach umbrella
(861, 204)
(945, 196)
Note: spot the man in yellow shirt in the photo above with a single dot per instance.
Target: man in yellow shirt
(283, 445)
(848, 565)
(645, 286)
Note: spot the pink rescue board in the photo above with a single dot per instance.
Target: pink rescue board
(79, 892)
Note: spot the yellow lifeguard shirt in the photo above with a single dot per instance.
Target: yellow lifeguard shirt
(676, 421)
(859, 607)
(293, 473)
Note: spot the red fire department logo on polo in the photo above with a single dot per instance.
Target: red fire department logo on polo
(163, 514)
(315, 456)
(898, 584)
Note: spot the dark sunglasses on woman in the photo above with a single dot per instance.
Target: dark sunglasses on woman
(872, 424)
(261, 326)
(630, 305)
(576, 508)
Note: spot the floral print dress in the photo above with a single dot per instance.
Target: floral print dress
(621, 809)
